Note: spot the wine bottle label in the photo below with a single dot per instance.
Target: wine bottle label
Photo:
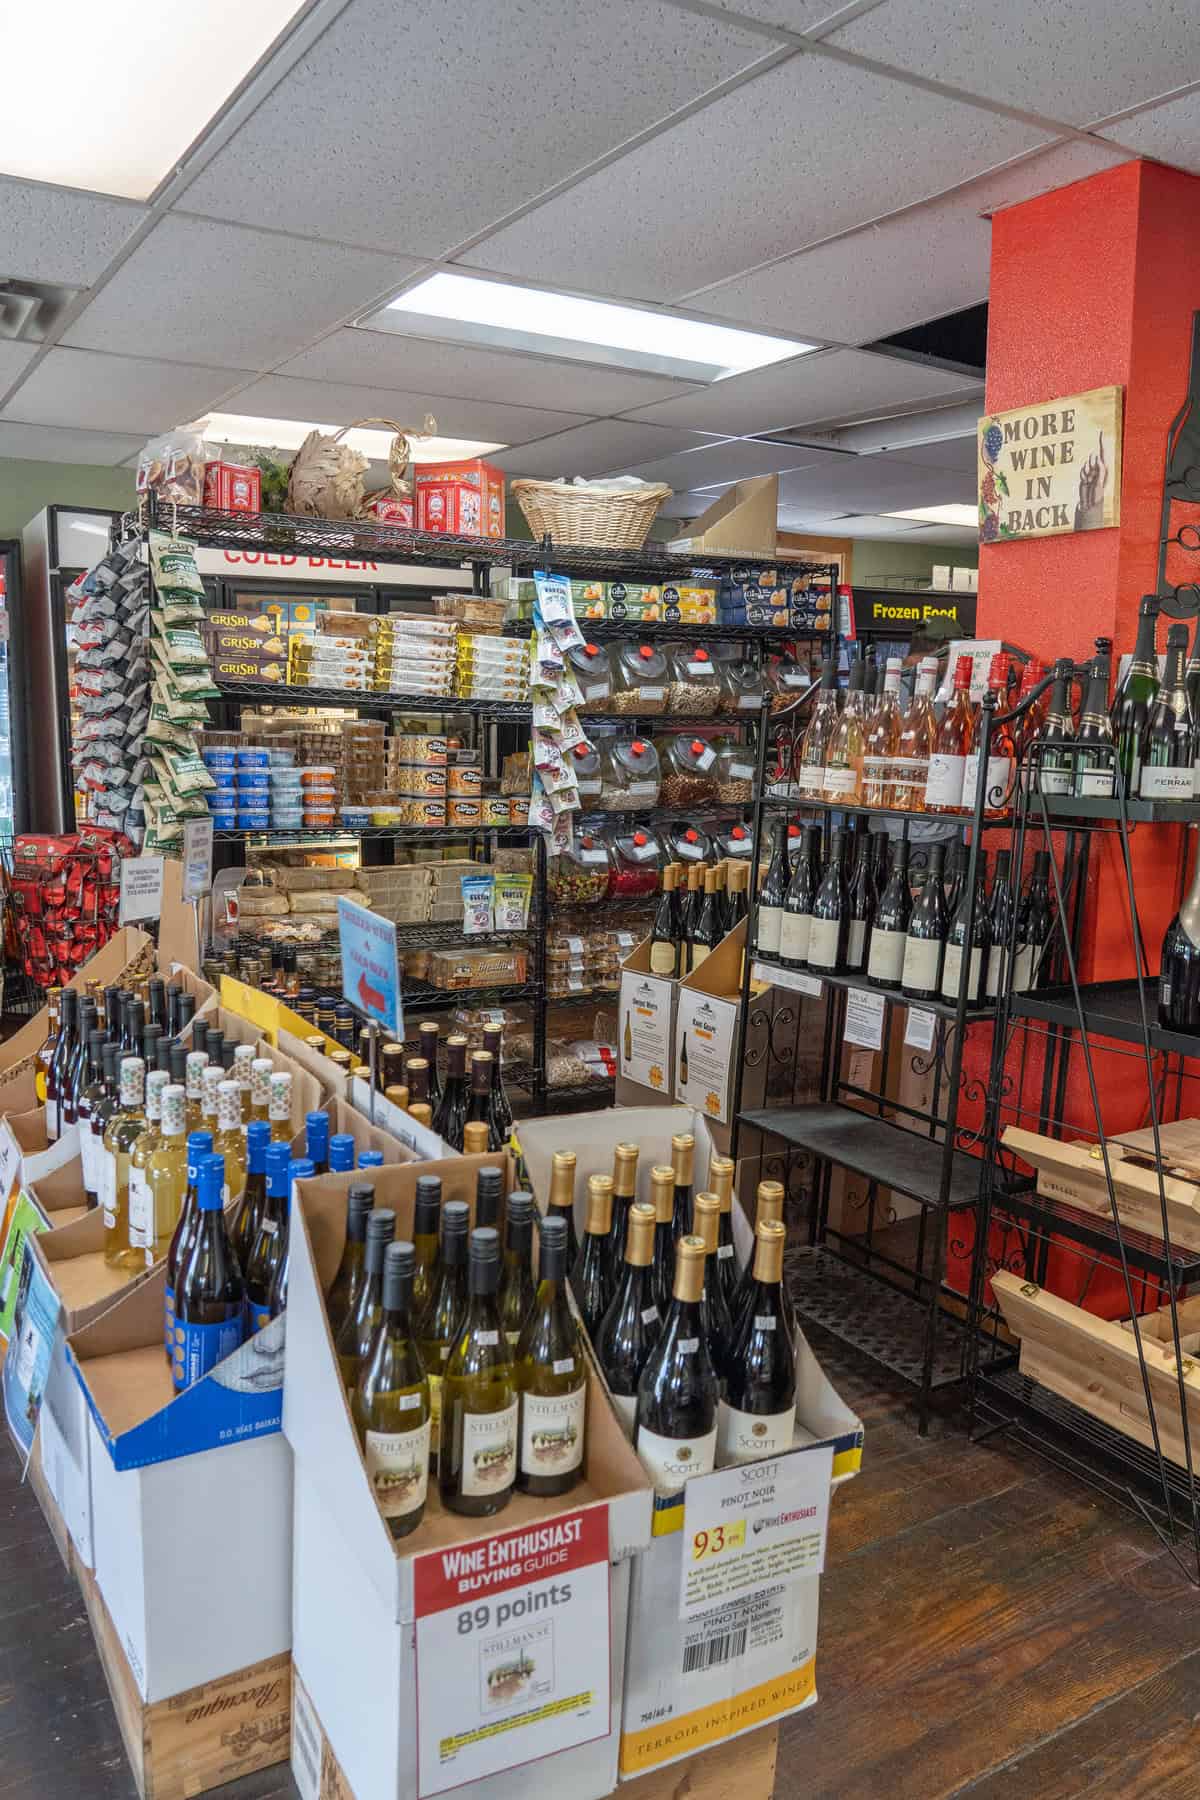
(765, 1321)
(199, 1348)
(398, 1467)
(997, 963)
(489, 1451)
(489, 1339)
(106, 1193)
(256, 1317)
(1166, 784)
(662, 958)
(886, 960)
(999, 775)
(1164, 994)
(921, 959)
(944, 783)
(840, 781)
(743, 1436)
(724, 1251)
(1054, 780)
(435, 1414)
(552, 1432)
(52, 1118)
(89, 1144)
(141, 1210)
(1097, 783)
(857, 943)
(650, 1315)
(626, 1410)
(1023, 968)
(808, 778)
(823, 943)
(793, 936)
(669, 1462)
(270, 1226)
(699, 952)
(952, 972)
(688, 1346)
(770, 923)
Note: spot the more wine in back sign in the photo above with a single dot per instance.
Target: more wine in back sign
(1051, 468)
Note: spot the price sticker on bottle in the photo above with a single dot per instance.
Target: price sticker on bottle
(753, 1526)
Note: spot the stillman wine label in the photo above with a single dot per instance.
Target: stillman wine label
(489, 1451)
(662, 958)
(398, 1465)
(793, 937)
(742, 1436)
(141, 1210)
(770, 921)
(823, 943)
(887, 955)
(552, 1432)
(921, 958)
(669, 1462)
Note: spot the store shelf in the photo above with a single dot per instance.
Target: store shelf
(273, 693)
(1139, 812)
(418, 996)
(1110, 1009)
(804, 803)
(873, 1317)
(401, 834)
(660, 631)
(581, 1096)
(1144, 1252)
(880, 1151)
(942, 1009)
(659, 722)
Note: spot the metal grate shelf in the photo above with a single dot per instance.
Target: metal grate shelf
(886, 1325)
(883, 1152)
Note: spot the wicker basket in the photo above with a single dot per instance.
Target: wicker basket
(616, 520)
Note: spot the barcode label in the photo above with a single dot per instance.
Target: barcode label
(706, 1653)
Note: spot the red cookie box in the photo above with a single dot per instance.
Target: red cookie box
(232, 487)
(463, 498)
(391, 509)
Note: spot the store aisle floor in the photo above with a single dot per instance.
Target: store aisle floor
(988, 1628)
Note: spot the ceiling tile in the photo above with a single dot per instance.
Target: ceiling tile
(607, 447)
(55, 234)
(52, 443)
(14, 357)
(877, 484)
(958, 535)
(1030, 56)
(412, 129)
(830, 384)
(1171, 133)
(919, 265)
(720, 192)
(337, 403)
(735, 459)
(226, 295)
(958, 455)
(864, 525)
(792, 15)
(117, 393)
(388, 360)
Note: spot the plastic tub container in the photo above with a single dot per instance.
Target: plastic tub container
(219, 759)
(252, 759)
(317, 818)
(224, 820)
(252, 781)
(356, 816)
(253, 818)
(281, 759)
(318, 775)
(290, 820)
(226, 780)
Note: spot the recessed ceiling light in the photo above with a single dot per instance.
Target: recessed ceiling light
(289, 434)
(146, 80)
(467, 310)
(940, 515)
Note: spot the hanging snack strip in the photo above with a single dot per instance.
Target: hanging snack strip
(175, 777)
(556, 698)
(112, 686)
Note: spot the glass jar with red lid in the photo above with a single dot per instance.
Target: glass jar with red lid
(688, 770)
(687, 843)
(743, 687)
(579, 875)
(695, 686)
(734, 841)
(734, 773)
(640, 679)
(585, 760)
(629, 775)
(592, 670)
(788, 681)
(635, 864)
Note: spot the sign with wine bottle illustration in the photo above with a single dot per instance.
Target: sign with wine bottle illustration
(1052, 467)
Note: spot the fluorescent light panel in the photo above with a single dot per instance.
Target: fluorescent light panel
(939, 515)
(289, 434)
(464, 309)
(109, 96)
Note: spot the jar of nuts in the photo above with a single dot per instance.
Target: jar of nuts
(579, 875)
(640, 679)
(585, 760)
(734, 772)
(742, 687)
(788, 682)
(592, 670)
(629, 775)
(688, 770)
(695, 687)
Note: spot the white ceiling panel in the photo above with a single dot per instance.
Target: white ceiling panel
(815, 16)
(337, 403)
(54, 234)
(225, 295)
(414, 128)
(862, 525)
(14, 357)
(958, 535)
(734, 459)
(958, 456)
(52, 443)
(921, 264)
(876, 484)
(721, 191)
(606, 447)
(117, 393)
(1170, 133)
(1029, 56)
(830, 384)
(388, 360)
(689, 504)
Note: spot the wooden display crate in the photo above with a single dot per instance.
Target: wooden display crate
(1074, 1173)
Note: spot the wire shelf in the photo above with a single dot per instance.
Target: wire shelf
(274, 693)
(368, 834)
(651, 631)
(859, 1309)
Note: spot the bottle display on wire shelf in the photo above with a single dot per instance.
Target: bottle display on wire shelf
(354, 1336)
(624, 1193)
(861, 898)
(561, 1201)
(768, 1206)
(1053, 770)
(517, 1290)
(90, 1098)
(662, 1196)
(757, 1417)
(270, 1240)
(928, 928)
(721, 1172)
(889, 929)
(120, 1134)
(501, 1118)
(551, 1377)
(830, 930)
(811, 758)
(199, 1146)
(1167, 755)
(1179, 966)
(1000, 776)
(427, 1221)
(1095, 749)
(254, 1194)
(629, 1329)
(1030, 723)
(714, 1307)
(1035, 923)
(796, 924)
(450, 1114)
(209, 1292)
(391, 1404)
(280, 1107)
(477, 1455)
(439, 1324)
(955, 874)
(679, 1392)
(142, 1234)
(956, 942)
(665, 936)
(1136, 693)
(883, 740)
(953, 743)
(841, 783)
(591, 1278)
(769, 908)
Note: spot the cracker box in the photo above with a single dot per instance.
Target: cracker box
(464, 498)
(233, 487)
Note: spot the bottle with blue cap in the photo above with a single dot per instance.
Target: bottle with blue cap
(245, 1227)
(341, 1153)
(316, 1141)
(209, 1293)
(301, 1170)
(199, 1145)
(270, 1240)
(370, 1159)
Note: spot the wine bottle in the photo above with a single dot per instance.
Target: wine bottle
(624, 1193)
(952, 745)
(810, 763)
(341, 1153)
(721, 1171)
(796, 924)
(830, 932)
(428, 1034)
(141, 1197)
(209, 1292)
(738, 908)
(1095, 754)
(1035, 922)
(882, 740)
(769, 914)
(477, 1457)
(450, 1114)
(689, 911)
(662, 1195)
(440, 1323)
(67, 1056)
(889, 931)
(925, 943)
(479, 1102)
(1192, 674)
(279, 1107)
(1000, 777)
(861, 902)
(517, 1290)
(427, 1218)
(45, 1056)
(266, 1252)
(768, 1208)
(316, 1141)
(229, 1139)
(199, 1146)
(342, 1297)
(676, 1419)
(714, 1308)
(500, 1119)
(1000, 913)
(120, 1134)
(561, 1201)
(683, 1154)
(489, 1195)
(706, 933)
(664, 930)
(758, 1415)
(591, 1278)
(89, 1100)
(955, 875)
(841, 783)
(1179, 976)
(629, 1329)
(1166, 751)
(956, 942)
(56, 1074)
(391, 1404)
(551, 1377)
(1136, 693)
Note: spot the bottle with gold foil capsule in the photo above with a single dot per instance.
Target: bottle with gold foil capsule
(562, 1199)
(197, 1062)
(229, 1139)
(120, 1135)
(721, 1170)
(624, 1193)
(683, 1153)
(662, 1194)
(629, 1329)
(397, 1096)
(279, 1107)
(476, 1137)
(416, 1071)
(261, 1071)
(141, 1195)
(714, 1308)
(591, 1278)
(757, 1417)
(243, 1063)
(420, 1112)
(166, 1174)
(679, 1393)
(391, 1066)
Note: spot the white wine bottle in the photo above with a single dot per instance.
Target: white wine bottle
(758, 1414)
(676, 1421)
(551, 1378)
(390, 1404)
(477, 1456)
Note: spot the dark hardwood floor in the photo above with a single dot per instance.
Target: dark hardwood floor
(988, 1627)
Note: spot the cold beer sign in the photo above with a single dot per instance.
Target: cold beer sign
(1051, 468)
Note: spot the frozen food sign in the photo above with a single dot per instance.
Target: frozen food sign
(1051, 468)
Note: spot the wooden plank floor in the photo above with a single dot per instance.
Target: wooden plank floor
(988, 1627)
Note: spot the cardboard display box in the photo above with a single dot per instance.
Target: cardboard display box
(125, 953)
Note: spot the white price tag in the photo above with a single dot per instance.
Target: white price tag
(920, 1028)
(141, 889)
(794, 979)
(864, 1019)
(197, 858)
(753, 1526)
(10, 1162)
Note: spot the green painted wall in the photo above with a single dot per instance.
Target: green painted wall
(27, 487)
(884, 562)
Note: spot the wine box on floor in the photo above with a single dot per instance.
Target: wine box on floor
(406, 1647)
(36, 1477)
(191, 1497)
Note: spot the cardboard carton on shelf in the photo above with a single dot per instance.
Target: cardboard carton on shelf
(367, 1688)
(745, 519)
(465, 499)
